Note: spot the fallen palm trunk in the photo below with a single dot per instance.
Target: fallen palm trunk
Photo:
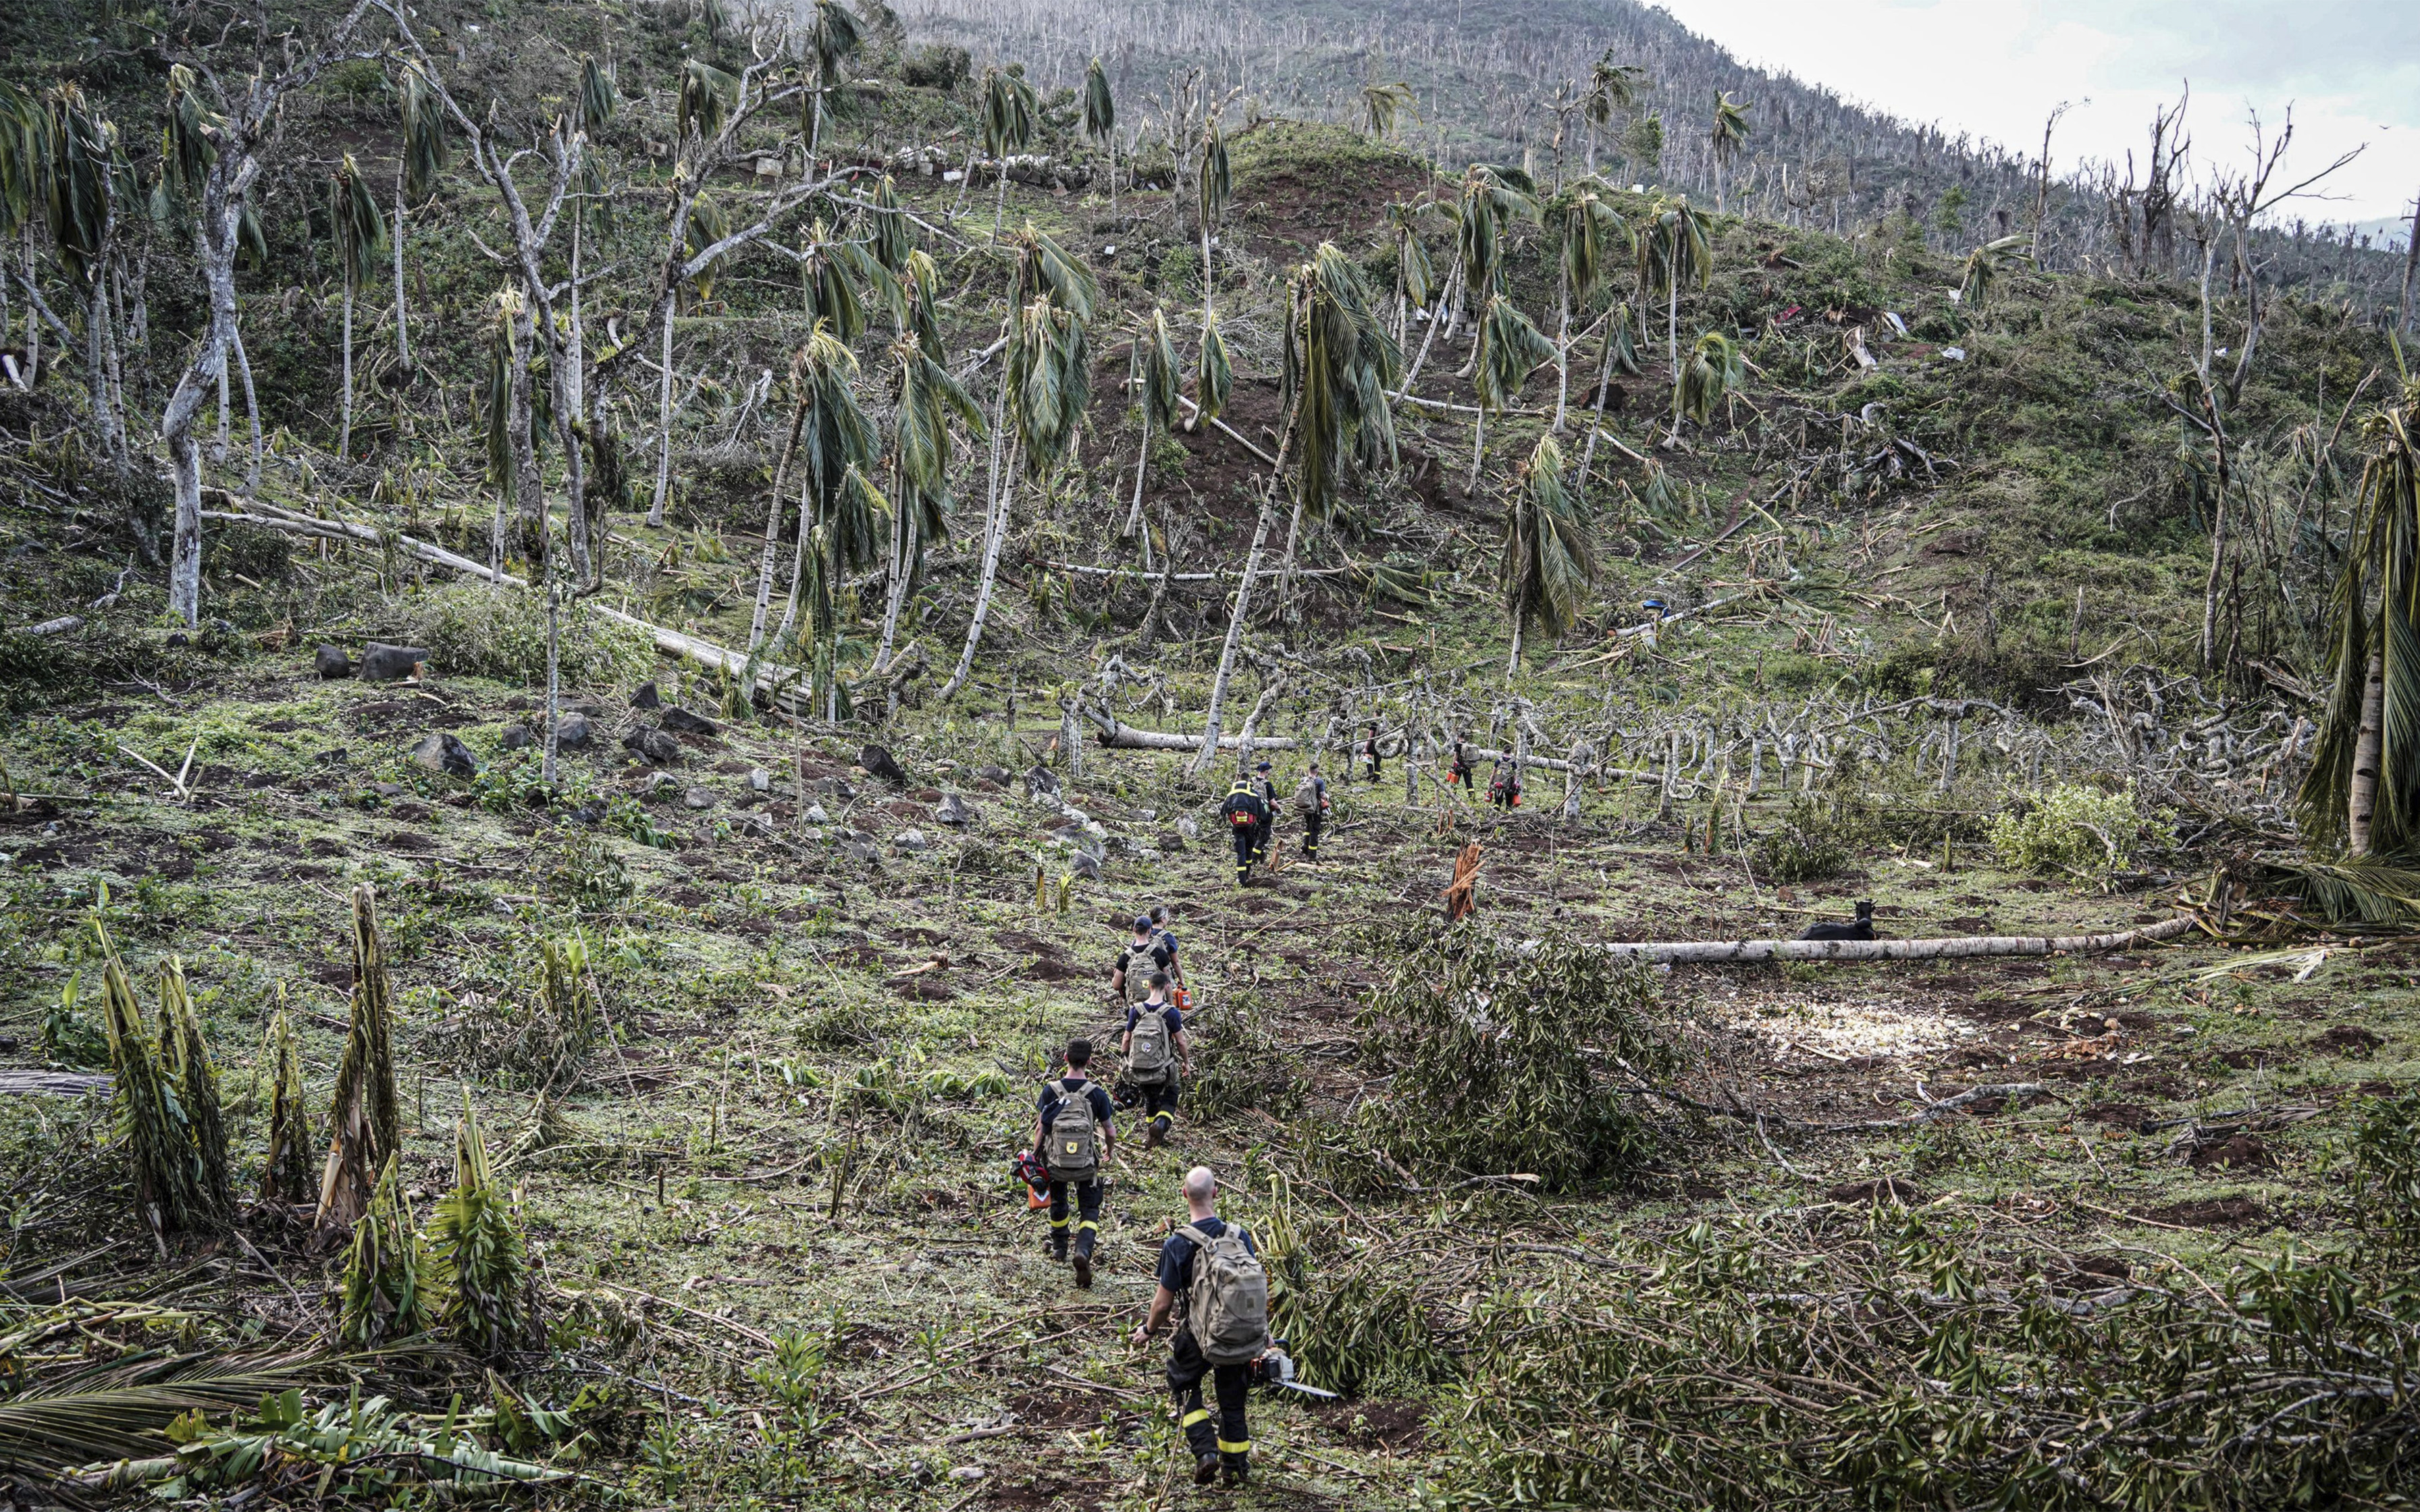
(1942, 950)
(776, 682)
(1119, 736)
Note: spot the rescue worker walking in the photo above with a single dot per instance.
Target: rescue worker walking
(1244, 812)
(1077, 1140)
(1167, 938)
(1157, 1055)
(1210, 1277)
(1130, 978)
(1370, 753)
(1462, 770)
(1266, 787)
(1310, 801)
(1504, 786)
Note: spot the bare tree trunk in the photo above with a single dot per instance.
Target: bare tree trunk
(1672, 344)
(1563, 348)
(1243, 600)
(219, 454)
(529, 482)
(2363, 799)
(773, 509)
(1513, 662)
(1478, 450)
(1596, 421)
(549, 771)
(576, 380)
(252, 413)
(2411, 262)
(402, 328)
(664, 416)
(995, 537)
(1453, 280)
(345, 433)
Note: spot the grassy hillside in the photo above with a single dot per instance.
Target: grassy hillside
(753, 1032)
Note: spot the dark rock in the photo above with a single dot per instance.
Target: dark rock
(759, 780)
(389, 789)
(879, 762)
(858, 849)
(687, 723)
(953, 811)
(517, 737)
(647, 698)
(1076, 838)
(834, 787)
(571, 732)
(996, 776)
(587, 814)
(442, 753)
(383, 663)
(699, 798)
(912, 840)
(1039, 780)
(816, 814)
(1896, 1190)
(330, 662)
(1085, 864)
(652, 746)
(753, 824)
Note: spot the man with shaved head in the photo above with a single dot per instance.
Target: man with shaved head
(1227, 1449)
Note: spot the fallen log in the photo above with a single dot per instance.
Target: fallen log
(50, 1083)
(1118, 735)
(1710, 951)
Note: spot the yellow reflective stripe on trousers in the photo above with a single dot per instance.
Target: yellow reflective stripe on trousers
(1058, 1222)
(1200, 1414)
(1242, 1448)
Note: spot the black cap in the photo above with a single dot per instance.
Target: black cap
(1142, 923)
(1262, 767)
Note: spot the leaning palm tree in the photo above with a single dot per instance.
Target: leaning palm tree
(1728, 134)
(1415, 275)
(361, 237)
(1672, 250)
(1548, 560)
(1613, 87)
(1492, 198)
(829, 434)
(1584, 226)
(1152, 384)
(2363, 790)
(1381, 104)
(1101, 119)
(417, 166)
(925, 399)
(1339, 363)
(1509, 349)
(1047, 385)
(1009, 115)
(833, 39)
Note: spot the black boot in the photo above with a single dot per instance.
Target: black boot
(1237, 1469)
(1206, 1469)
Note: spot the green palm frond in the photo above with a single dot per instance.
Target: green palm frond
(386, 1274)
(1548, 560)
(598, 98)
(1347, 363)
(1730, 127)
(707, 225)
(1674, 246)
(1584, 228)
(1214, 180)
(478, 1240)
(360, 230)
(1046, 269)
(921, 289)
(1100, 108)
(1626, 353)
(1049, 379)
(250, 241)
(1415, 275)
(1214, 375)
(835, 275)
(889, 237)
(707, 98)
(425, 147)
(1009, 113)
(834, 39)
(1642, 142)
(1613, 87)
(117, 1412)
(2380, 894)
(75, 177)
(186, 151)
(927, 398)
(1712, 372)
(1982, 268)
(1152, 376)
(836, 437)
(24, 157)
(1510, 349)
(1381, 103)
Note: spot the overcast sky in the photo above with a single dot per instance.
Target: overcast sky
(2349, 68)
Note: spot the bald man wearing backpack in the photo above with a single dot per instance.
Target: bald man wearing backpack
(1210, 1278)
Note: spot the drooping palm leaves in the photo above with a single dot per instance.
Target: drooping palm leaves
(1612, 87)
(833, 39)
(1347, 364)
(426, 150)
(1712, 373)
(1726, 134)
(477, 1241)
(1981, 270)
(925, 399)
(835, 273)
(707, 225)
(1101, 119)
(2363, 789)
(1381, 104)
(1008, 118)
(1492, 198)
(365, 1117)
(598, 98)
(830, 435)
(1509, 348)
(1622, 356)
(361, 240)
(1153, 385)
(1415, 275)
(1046, 270)
(75, 177)
(113, 1412)
(920, 314)
(1214, 375)
(1585, 227)
(1673, 250)
(707, 97)
(889, 238)
(186, 151)
(1548, 560)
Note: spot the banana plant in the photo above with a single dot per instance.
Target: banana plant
(1508, 347)
(1101, 119)
(1548, 559)
(361, 237)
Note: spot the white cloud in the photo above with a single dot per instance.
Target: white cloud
(1995, 68)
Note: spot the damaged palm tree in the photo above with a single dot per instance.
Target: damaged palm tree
(1152, 382)
(1548, 559)
(1510, 349)
(361, 237)
(2363, 790)
(478, 1240)
(386, 1276)
(366, 1124)
(168, 1100)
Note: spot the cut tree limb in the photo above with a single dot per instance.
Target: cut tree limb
(1938, 950)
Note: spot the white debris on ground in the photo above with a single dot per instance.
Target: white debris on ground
(1808, 1029)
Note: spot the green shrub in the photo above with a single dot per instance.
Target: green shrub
(479, 632)
(1809, 846)
(1239, 1063)
(2386, 1169)
(2076, 831)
